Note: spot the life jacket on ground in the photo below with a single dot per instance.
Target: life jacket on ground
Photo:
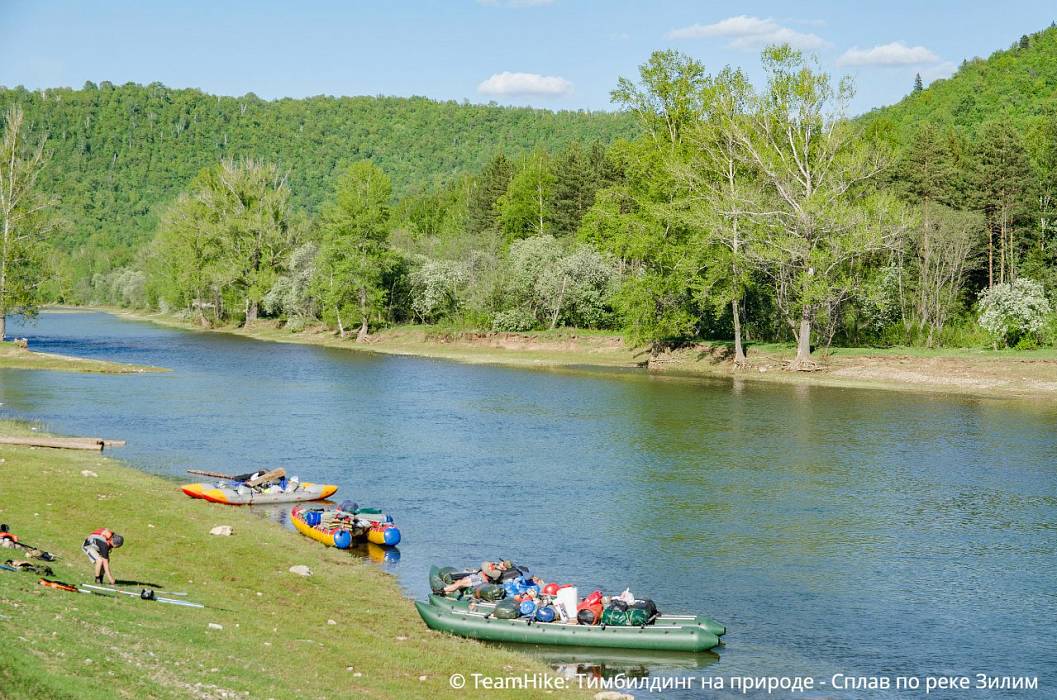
(8, 536)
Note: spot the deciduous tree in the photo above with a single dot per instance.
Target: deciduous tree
(354, 253)
(27, 214)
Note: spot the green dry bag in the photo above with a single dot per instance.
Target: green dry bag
(506, 610)
(489, 591)
(632, 617)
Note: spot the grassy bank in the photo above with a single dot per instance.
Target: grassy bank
(12, 356)
(1004, 373)
(277, 640)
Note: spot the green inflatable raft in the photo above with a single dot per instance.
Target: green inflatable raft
(716, 628)
(667, 633)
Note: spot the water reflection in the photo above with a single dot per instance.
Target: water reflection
(379, 554)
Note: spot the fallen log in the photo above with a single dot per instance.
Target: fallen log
(74, 443)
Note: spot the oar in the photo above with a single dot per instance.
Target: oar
(46, 556)
(215, 475)
(170, 601)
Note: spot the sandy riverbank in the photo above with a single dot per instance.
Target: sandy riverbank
(1001, 374)
(13, 356)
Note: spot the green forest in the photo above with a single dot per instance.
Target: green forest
(705, 208)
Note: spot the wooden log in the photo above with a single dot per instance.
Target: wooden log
(60, 443)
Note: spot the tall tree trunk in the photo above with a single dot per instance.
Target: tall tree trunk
(341, 326)
(739, 351)
(540, 192)
(4, 252)
(361, 335)
(251, 312)
(1002, 250)
(803, 344)
(990, 254)
(1012, 258)
(558, 306)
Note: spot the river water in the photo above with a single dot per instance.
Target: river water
(833, 531)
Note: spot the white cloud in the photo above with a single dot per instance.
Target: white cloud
(895, 54)
(507, 84)
(745, 32)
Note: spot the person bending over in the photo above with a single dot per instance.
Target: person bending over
(98, 546)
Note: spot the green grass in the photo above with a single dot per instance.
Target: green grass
(14, 357)
(276, 641)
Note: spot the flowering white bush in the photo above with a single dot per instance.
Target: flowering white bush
(437, 288)
(514, 321)
(1009, 312)
(558, 286)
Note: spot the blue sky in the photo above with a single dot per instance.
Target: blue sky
(559, 54)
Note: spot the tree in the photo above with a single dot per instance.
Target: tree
(223, 244)
(715, 195)
(488, 187)
(944, 243)
(353, 254)
(941, 240)
(1002, 180)
(1041, 259)
(26, 217)
(526, 208)
(817, 196)
(918, 85)
(578, 175)
(633, 219)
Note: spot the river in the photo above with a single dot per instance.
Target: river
(832, 530)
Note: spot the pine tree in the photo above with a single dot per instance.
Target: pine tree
(918, 85)
(578, 176)
(1002, 177)
(489, 185)
(929, 171)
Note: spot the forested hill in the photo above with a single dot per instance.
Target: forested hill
(117, 151)
(1018, 85)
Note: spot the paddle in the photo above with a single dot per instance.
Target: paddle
(46, 556)
(215, 475)
(145, 594)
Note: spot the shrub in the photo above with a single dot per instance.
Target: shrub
(437, 289)
(295, 324)
(1011, 312)
(514, 321)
